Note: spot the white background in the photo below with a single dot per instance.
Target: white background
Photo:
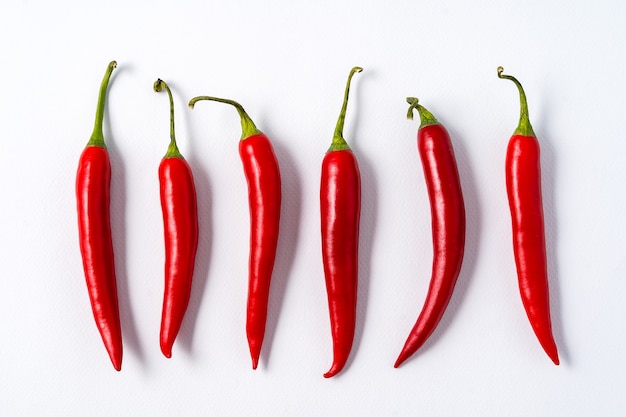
(287, 63)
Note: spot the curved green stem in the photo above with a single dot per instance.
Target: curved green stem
(523, 128)
(426, 117)
(97, 137)
(172, 149)
(339, 143)
(248, 128)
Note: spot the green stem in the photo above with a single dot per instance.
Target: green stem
(172, 149)
(426, 117)
(248, 128)
(97, 137)
(339, 143)
(523, 128)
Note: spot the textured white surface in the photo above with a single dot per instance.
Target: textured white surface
(287, 62)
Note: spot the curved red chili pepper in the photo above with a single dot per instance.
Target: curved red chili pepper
(180, 227)
(523, 182)
(93, 185)
(448, 224)
(340, 200)
(264, 197)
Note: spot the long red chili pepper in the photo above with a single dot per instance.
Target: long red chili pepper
(264, 197)
(523, 182)
(340, 200)
(180, 227)
(93, 184)
(448, 224)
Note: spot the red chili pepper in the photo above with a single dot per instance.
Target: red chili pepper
(448, 224)
(523, 183)
(180, 226)
(93, 184)
(264, 196)
(340, 198)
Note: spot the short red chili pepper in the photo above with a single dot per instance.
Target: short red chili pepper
(523, 182)
(340, 200)
(93, 187)
(180, 227)
(448, 224)
(264, 197)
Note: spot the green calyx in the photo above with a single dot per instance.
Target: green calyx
(426, 117)
(524, 127)
(172, 149)
(248, 128)
(339, 143)
(97, 137)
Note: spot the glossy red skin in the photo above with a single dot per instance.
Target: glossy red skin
(264, 197)
(523, 182)
(340, 197)
(180, 226)
(93, 183)
(448, 231)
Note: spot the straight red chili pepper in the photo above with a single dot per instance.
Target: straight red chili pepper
(448, 224)
(93, 187)
(523, 183)
(264, 197)
(180, 227)
(340, 201)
